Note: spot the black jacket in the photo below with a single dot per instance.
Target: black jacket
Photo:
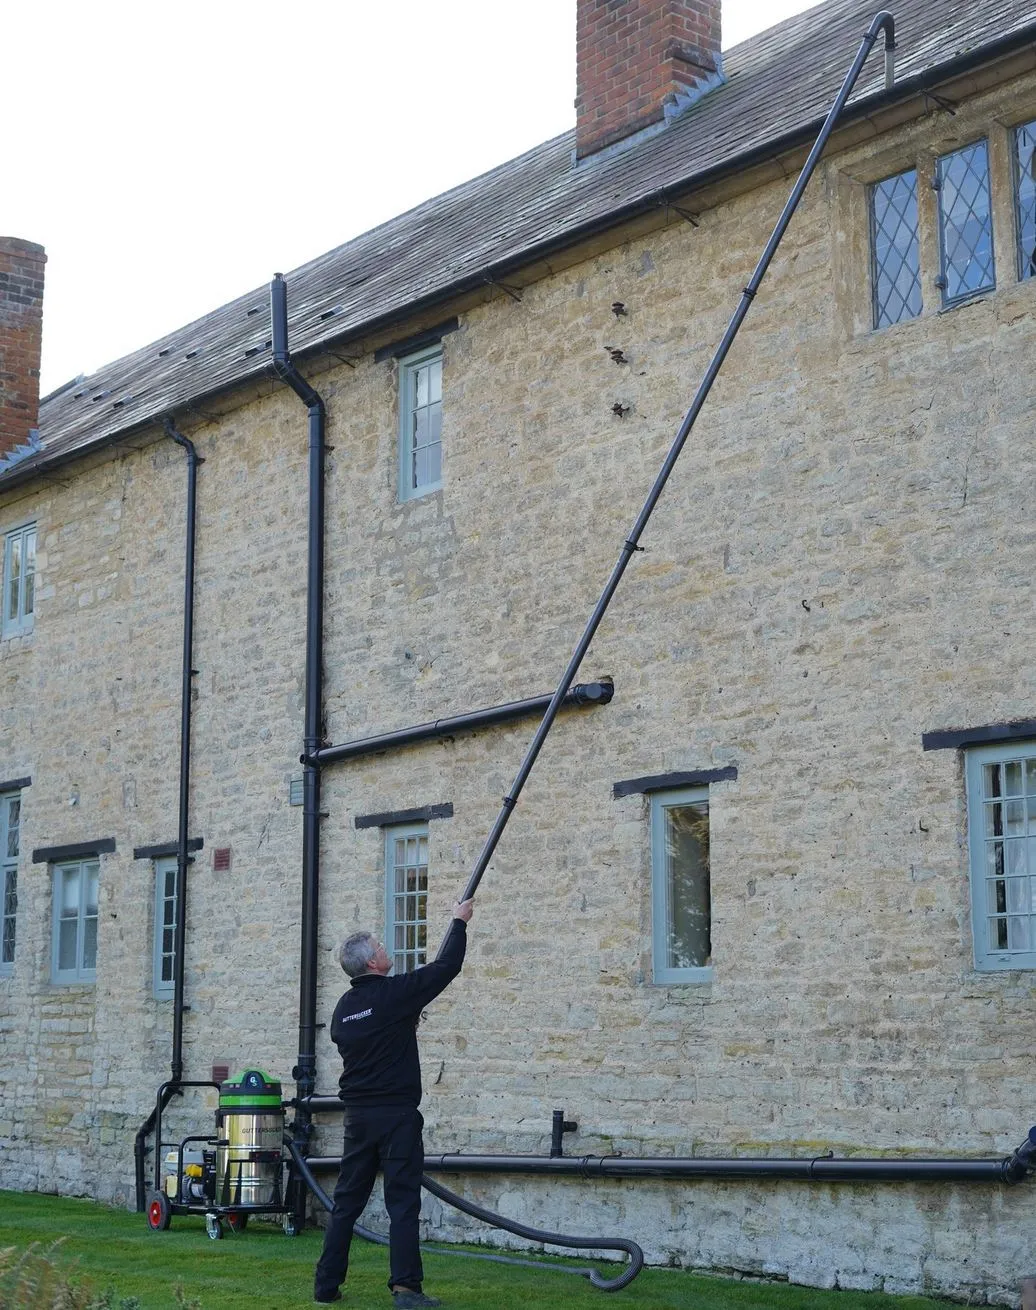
(375, 1028)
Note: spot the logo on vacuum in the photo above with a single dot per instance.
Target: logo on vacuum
(362, 1015)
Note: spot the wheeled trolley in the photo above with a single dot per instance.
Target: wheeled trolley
(229, 1176)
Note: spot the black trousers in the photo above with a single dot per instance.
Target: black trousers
(389, 1137)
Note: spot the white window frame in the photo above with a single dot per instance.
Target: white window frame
(405, 957)
(80, 973)
(21, 622)
(984, 858)
(10, 805)
(661, 801)
(409, 365)
(163, 988)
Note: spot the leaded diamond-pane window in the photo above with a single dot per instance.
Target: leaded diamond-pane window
(406, 907)
(1002, 823)
(1025, 197)
(965, 223)
(895, 258)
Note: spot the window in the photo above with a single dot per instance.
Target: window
(74, 947)
(19, 580)
(895, 257)
(165, 927)
(10, 820)
(681, 901)
(406, 901)
(1001, 783)
(965, 223)
(420, 423)
(1025, 198)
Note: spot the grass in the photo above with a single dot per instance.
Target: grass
(261, 1269)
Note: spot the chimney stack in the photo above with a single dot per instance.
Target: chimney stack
(21, 340)
(639, 61)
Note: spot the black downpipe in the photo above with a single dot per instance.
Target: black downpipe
(559, 1126)
(188, 672)
(183, 813)
(882, 22)
(304, 1072)
(587, 693)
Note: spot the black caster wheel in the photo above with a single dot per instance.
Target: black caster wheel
(213, 1227)
(237, 1221)
(158, 1212)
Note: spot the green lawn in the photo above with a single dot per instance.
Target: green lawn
(261, 1269)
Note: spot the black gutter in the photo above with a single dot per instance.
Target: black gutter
(183, 844)
(188, 671)
(1009, 1169)
(304, 1072)
(586, 693)
(767, 152)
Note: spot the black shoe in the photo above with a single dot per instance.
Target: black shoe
(408, 1298)
(326, 1300)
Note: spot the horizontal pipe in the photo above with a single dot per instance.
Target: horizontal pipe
(823, 1169)
(586, 693)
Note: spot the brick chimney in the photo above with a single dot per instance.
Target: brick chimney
(639, 62)
(21, 339)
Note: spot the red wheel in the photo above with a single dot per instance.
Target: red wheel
(158, 1212)
(237, 1221)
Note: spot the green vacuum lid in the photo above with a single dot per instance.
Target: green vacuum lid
(250, 1087)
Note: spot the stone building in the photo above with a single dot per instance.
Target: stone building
(773, 900)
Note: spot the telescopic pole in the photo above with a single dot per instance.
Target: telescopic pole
(882, 22)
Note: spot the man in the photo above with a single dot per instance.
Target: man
(375, 1030)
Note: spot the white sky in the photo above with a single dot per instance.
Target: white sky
(172, 157)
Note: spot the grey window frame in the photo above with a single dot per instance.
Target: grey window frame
(9, 877)
(162, 989)
(404, 832)
(22, 622)
(661, 973)
(877, 308)
(81, 973)
(942, 282)
(408, 366)
(990, 959)
(1026, 259)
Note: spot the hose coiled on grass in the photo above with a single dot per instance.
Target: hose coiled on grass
(597, 1280)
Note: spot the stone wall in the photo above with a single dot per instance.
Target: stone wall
(841, 562)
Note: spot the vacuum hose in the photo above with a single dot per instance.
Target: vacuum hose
(602, 1284)
(631, 1248)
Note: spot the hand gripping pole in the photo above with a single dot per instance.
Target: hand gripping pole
(882, 22)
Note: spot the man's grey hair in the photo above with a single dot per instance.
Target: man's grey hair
(356, 953)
